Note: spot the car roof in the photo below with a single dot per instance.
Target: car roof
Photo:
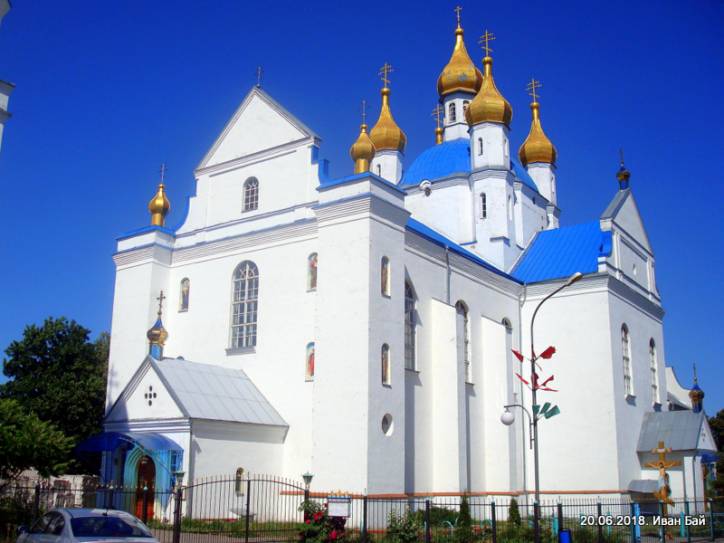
(77, 512)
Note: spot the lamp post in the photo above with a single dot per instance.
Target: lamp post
(507, 417)
(307, 481)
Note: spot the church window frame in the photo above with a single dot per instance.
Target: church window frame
(483, 206)
(309, 359)
(251, 195)
(466, 103)
(654, 369)
(312, 269)
(244, 306)
(410, 328)
(386, 365)
(626, 359)
(184, 293)
(385, 276)
(463, 348)
(452, 113)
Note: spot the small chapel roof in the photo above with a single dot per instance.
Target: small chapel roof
(203, 391)
(679, 430)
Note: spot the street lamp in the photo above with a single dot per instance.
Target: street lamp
(307, 479)
(508, 417)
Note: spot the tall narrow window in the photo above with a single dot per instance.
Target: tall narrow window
(184, 294)
(385, 360)
(251, 194)
(409, 327)
(244, 305)
(379, 170)
(480, 146)
(385, 276)
(483, 206)
(238, 482)
(626, 356)
(312, 272)
(465, 106)
(452, 113)
(654, 372)
(309, 362)
(463, 338)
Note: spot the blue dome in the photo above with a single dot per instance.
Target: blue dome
(438, 161)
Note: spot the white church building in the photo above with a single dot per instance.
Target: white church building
(362, 328)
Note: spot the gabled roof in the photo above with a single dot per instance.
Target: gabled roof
(448, 158)
(561, 252)
(679, 430)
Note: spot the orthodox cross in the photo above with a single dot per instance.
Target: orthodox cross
(436, 113)
(620, 154)
(364, 111)
(457, 11)
(696, 380)
(163, 171)
(532, 87)
(385, 72)
(485, 40)
(259, 73)
(160, 299)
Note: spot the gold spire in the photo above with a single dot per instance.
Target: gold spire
(460, 73)
(385, 134)
(536, 147)
(157, 334)
(362, 150)
(438, 128)
(488, 105)
(159, 204)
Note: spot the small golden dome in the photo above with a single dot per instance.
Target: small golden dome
(362, 151)
(385, 134)
(489, 105)
(460, 73)
(159, 206)
(537, 147)
(157, 334)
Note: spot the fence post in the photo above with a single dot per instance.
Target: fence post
(144, 513)
(598, 522)
(36, 502)
(363, 537)
(686, 514)
(494, 521)
(662, 530)
(177, 516)
(247, 513)
(536, 522)
(712, 526)
(633, 524)
(428, 532)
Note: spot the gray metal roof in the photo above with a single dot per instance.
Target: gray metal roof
(644, 486)
(203, 391)
(679, 430)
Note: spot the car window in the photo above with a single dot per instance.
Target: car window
(56, 525)
(108, 526)
(41, 524)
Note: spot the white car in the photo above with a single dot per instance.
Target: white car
(86, 525)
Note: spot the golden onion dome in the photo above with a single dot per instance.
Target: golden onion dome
(385, 134)
(460, 73)
(159, 206)
(362, 151)
(537, 147)
(489, 105)
(157, 334)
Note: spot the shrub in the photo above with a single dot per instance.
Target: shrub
(464, 525)
(403, 528)
(318, 526)
(514, 512)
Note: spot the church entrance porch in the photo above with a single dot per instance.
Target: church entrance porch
(145, 488)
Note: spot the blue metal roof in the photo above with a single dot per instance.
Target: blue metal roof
(562, 252)
(437, 238)
(448, 158)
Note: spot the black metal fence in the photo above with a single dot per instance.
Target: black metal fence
(266, 509)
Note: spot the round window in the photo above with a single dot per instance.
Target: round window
(387, 425)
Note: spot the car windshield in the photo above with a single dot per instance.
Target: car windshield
(108, 526)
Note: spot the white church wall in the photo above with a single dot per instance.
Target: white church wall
(150, 399)
(447, 209)
(530, 215)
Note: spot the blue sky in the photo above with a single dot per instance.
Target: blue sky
(106, 91)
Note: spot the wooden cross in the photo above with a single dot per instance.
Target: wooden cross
(485, 40)
(437, 112)
(532, 87)
(259, 73)
(163, 171)
(662, 464)
(385, 72)
(457, 11)
(160, 299)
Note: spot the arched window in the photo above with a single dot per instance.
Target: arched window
(463, 338)
(654, 372)
(379, 170)
(244, 305)
(385, 361)
(465, 106)
(626, 356)
(312, 272)
(452, 113)
(409, 327)
(309, 362)
(184, 294)
(239, 482)
(483, 206)
(480, 146)
(385, 276)
(251, 194)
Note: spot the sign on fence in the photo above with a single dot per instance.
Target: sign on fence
(339, 506)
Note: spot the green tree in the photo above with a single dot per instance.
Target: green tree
(464, 524)
(28, 442)
(514, 512)
(57, 373)
(717, 428)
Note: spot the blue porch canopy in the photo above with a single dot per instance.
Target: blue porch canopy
(110, 441)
